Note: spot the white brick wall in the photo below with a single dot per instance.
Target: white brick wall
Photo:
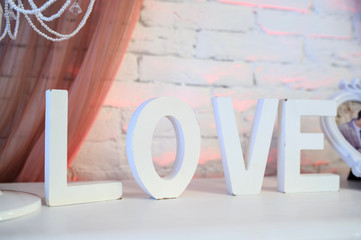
(309, 25)
(194, 72)
(250, 47)
(244, 49)
(197, 15)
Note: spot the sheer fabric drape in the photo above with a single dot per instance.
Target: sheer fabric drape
(84, 65)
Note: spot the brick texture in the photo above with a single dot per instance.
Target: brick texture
(243, 49)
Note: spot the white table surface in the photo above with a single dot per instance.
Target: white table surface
(204, 211)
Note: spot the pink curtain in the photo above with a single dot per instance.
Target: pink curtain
(85, 65)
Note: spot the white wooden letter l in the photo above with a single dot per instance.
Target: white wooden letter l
(57, 191)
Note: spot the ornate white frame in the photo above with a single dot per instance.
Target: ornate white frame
(348, 92)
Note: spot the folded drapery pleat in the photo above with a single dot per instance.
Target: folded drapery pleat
(85, 65)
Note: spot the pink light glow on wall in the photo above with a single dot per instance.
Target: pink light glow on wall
(271, 167)
(320, 36)
(352, 6)
(217, 74)
(278, 33)
(209, 154)
(240, 102)
(164, 159)
(356, 54)
(214, 74)
(320, 163)
(211, 78)
(242, 105)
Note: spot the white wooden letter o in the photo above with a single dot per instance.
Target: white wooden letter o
(139, 142)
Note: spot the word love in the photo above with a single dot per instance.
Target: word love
(242, 177)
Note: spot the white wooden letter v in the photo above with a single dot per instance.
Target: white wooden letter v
(241, 178)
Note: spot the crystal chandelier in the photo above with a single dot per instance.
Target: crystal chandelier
(12, 12)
